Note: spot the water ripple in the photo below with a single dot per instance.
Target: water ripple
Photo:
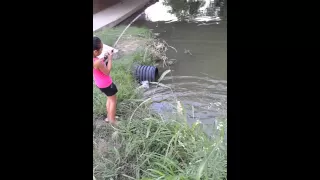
(203, 98)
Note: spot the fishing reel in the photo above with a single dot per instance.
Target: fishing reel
(105, 58)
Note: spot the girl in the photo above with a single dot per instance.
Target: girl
(102, 79)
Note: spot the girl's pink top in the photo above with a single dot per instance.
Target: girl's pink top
(101, 80)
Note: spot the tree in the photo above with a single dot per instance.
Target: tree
(184, 9)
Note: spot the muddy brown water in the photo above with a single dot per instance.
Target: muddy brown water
(199, 76)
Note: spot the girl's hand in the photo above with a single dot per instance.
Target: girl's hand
(109, 54)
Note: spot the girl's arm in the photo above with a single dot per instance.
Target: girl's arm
(106, 68)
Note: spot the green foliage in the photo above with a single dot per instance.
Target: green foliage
(151, 148)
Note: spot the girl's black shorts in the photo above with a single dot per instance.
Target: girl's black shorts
(110, 90)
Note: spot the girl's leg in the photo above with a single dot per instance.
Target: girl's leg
(108, 108)
(112, 109)
(108, 105)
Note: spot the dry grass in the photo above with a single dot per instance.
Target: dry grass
(158, 49)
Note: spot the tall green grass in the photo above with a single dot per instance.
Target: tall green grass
(150, 148)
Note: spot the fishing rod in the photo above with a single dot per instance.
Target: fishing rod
(114, 45)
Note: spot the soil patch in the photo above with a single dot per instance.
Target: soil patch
(130, 45)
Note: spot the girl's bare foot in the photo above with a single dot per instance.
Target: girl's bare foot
(106, 119)
(114, 122)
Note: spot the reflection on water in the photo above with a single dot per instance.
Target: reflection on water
(159, 12)
(174, 10)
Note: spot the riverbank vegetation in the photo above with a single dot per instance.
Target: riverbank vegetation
(144, 145)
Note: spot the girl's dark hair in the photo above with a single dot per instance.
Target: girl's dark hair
(96, 43)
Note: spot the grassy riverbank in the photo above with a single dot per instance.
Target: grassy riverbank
(143, 146)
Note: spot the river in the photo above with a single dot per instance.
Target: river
(199, 76)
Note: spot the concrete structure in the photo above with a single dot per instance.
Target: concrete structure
(115, 14)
